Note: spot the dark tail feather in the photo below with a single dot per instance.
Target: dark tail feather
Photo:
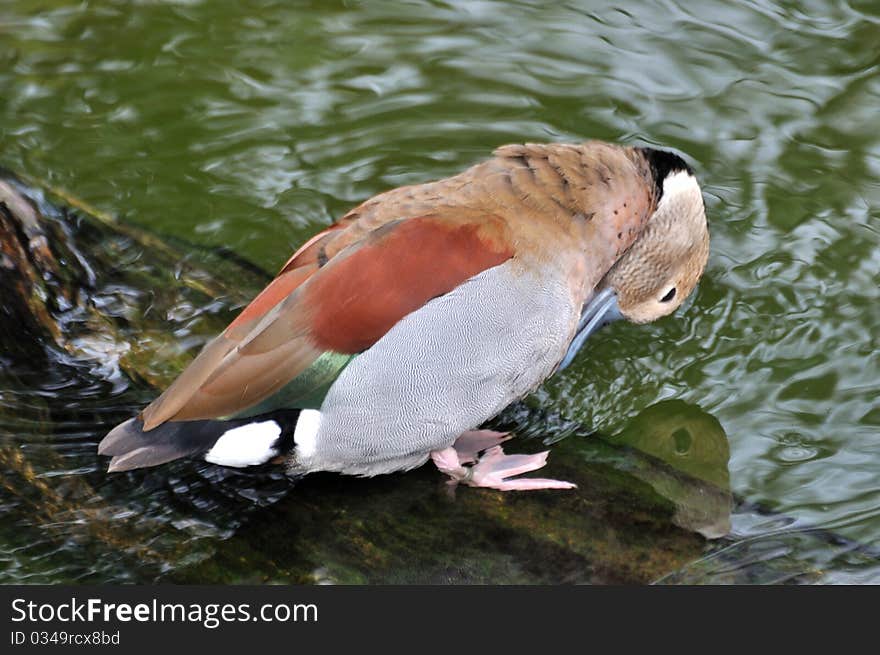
(250, 441)
(133, 448)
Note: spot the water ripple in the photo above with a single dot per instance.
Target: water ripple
(254, 126)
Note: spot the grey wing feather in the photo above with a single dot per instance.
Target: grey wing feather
(442, 370)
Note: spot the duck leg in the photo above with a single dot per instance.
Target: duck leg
(493, 468)
(471, 443)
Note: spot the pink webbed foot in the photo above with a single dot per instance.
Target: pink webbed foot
(493, 469)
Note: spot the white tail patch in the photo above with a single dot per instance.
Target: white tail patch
(246, 445)
(306, 432)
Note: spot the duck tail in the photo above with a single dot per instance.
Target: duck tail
(234, 442)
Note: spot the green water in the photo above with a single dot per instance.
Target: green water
(253, 124)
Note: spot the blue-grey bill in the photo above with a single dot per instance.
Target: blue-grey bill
(599, 311)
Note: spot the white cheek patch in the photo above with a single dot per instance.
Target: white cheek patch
(246, 445)
(680, 216)
(306, 432)
(681, 197)
(680, 183)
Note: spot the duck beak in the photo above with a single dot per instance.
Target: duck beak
(598, 311)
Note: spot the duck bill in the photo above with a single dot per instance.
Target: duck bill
(598, 311)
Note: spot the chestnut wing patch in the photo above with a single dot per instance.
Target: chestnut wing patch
(398, 269)
(344, 306)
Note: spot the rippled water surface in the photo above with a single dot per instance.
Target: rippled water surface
(251, 125)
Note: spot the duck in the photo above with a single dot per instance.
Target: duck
(390, 337)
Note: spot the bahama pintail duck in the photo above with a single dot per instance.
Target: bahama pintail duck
(392, 335)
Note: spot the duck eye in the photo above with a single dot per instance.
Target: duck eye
(669, 295)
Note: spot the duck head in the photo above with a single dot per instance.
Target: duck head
(662, 267)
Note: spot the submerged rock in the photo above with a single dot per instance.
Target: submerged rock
(97, 316)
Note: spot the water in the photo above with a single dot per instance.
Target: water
(251, 125)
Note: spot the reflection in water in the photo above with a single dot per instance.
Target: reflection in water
(786, 553)
(694, 445)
